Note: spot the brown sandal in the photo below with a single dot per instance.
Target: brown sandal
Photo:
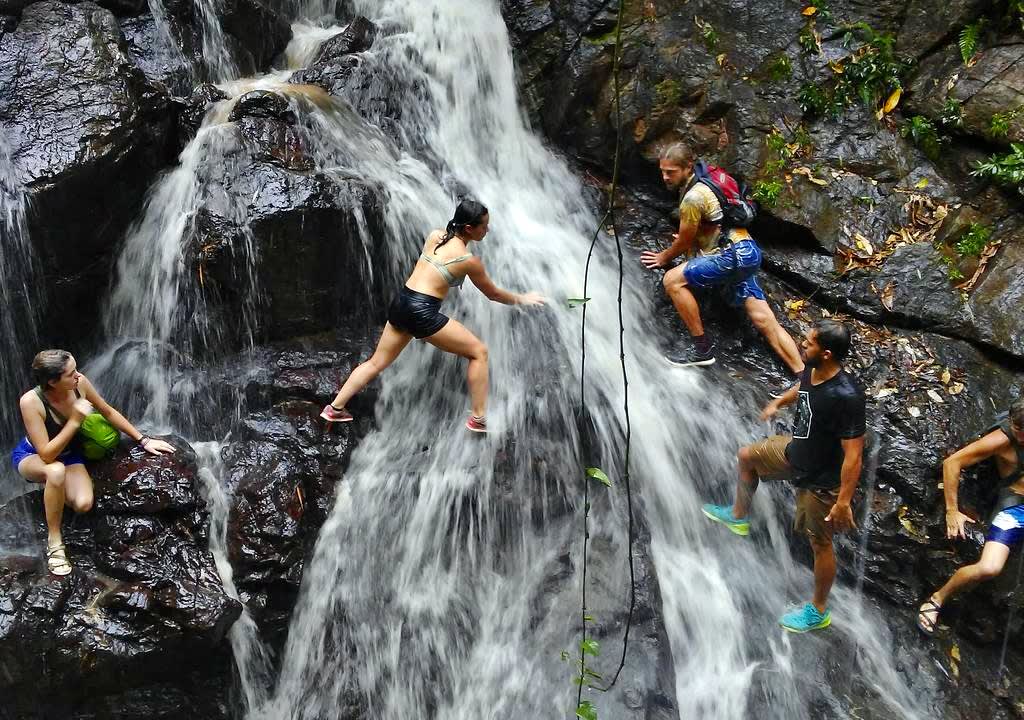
(928, 616)
(57, 560)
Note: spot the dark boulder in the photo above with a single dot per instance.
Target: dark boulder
(118, 7)
(262, 205)
(143, 602)
(194, 110)
(252, 34)
(283, 467)
(156, 53)
(88, 135)
(357, 37)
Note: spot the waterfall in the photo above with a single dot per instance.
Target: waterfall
(21, 299)
(446, 581)
(251, 660)
(429, 593)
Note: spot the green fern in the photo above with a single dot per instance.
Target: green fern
(969, 39)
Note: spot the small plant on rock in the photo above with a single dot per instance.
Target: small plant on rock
(922, 132)
(968, 40)
(1004, 168)
(974, 240)
(999, 123)
(779, 69)
(767, 192)
(872, 73)
(952, 115)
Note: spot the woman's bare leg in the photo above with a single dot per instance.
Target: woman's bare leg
(78, 488)
(52, 476)
(456, 339)
(391, 344)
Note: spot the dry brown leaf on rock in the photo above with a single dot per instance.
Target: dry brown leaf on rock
(888, 295)
(987, 254)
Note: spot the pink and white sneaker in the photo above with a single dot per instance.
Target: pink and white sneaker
(476, 424)
(333, 414)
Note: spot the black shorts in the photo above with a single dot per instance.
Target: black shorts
(416, 313)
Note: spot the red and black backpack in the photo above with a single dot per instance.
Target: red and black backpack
(738, 206)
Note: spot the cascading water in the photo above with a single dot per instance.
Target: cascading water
(252, 661)
(428, 594)
(21, 301)
(446, 581)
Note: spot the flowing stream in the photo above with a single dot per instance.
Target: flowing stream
(22, 303)
(446, 582)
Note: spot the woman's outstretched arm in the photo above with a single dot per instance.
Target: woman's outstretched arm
(119, 421)
(478, 275)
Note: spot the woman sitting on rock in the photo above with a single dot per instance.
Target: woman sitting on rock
(416, 312)
(51, 453)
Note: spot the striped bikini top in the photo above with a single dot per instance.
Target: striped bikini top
(442, 267)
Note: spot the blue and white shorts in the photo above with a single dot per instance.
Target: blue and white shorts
(1008, 526)
(734, 265)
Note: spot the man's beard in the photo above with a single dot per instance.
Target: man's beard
(812, 362)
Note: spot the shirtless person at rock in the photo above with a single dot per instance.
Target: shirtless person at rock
(1005, 444)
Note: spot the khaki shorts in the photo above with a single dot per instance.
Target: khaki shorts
(812, 506)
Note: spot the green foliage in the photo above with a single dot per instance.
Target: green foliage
(808, 39)
(968, 41)
(1004, 168)
(586, 711)
(669, 94)
(922, 132)
(779, 155)
(767, 192)
(816, 101)
(823, 11)
(779, 69)
(869, 74)
(708, 34)
(599, 475)
(952, 115)
(999, 123)
(873, 71)
(974, 240)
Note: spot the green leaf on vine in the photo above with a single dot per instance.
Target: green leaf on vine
(586, 711)
(576, 302)
(599, 475)
(590, 647)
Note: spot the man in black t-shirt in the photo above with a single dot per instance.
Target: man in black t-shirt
(822, 457)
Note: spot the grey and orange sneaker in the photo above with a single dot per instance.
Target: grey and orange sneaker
(476, 424)
(333, 414)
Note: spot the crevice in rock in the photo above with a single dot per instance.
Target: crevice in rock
(996, 355)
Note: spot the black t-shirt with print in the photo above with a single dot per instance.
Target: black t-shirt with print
(826, 414)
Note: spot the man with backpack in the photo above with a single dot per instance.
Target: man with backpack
(713, 216)
(1005, 443)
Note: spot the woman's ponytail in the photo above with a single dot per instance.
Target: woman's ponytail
(468, 212)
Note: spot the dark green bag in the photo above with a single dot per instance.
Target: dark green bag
(98, 437)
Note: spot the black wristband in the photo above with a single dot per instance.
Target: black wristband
(141, 440)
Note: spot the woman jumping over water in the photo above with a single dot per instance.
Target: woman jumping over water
(416, 312)
(51, 455)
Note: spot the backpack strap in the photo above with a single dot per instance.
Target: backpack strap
(60, 419)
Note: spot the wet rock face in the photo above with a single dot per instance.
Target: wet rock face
(283, 469)
(928, 394)
(288, 215)
(88, 134)
(143, 602)
(724, 83)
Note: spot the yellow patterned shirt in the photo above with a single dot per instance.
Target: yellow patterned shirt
(700, 207)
